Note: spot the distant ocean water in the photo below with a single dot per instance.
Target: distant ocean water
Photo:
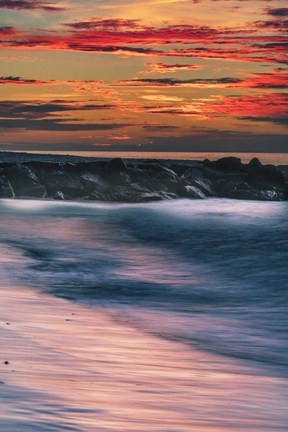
(266, 158)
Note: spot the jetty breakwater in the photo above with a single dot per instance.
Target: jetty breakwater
(119, 180)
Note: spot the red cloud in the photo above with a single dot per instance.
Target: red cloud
(129, 37)
(272, 105)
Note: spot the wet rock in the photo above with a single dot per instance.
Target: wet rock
(156, 177)
(59, 196)
(61, 182)
(150, 181)
(24, 182)
(194, 192)
(92, 184)
(195, 179)
(98, 196)
(140, 182)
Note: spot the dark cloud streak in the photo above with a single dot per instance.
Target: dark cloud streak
(276, 120)
(16, 115)
(30, 5)
(277, 12)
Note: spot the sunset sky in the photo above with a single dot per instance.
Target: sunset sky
(154, 75)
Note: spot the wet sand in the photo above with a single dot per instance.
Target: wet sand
(76, 368)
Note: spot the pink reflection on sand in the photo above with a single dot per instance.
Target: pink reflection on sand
(101, 374)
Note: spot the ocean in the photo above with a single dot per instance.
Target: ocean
(265, 158)
(206, 277)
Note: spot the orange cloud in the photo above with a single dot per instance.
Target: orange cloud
(272, 105)
(158, 68)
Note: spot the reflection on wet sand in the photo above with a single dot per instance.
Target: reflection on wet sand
(77, 368)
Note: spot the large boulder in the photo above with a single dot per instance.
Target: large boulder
(24, 182)
(230, 163)
(255, 164)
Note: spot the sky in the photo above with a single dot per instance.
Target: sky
(153, 75)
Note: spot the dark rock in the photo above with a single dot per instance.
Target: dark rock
(228, 163)
(162, 173)
(141, 182)
(153, 178)
(193, 192)
(233, 188)
(196, 181)
(212, 174)
(115, 173)
(60, 183)
(38, 166)
(92, 183)
(284, 170)
(152, 161)
(180, 169)
(239, 189)
(24, 182)
(255, 164)
(116, 166)
(6, 190)
(273, 173)
(97, 196)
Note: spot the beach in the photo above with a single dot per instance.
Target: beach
(121, 359)
(73, 368)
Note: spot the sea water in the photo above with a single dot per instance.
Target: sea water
(265, 158)
(208, 275)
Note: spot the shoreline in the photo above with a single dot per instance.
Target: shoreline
(77, 368)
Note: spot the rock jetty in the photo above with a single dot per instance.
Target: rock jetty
(140, 181)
